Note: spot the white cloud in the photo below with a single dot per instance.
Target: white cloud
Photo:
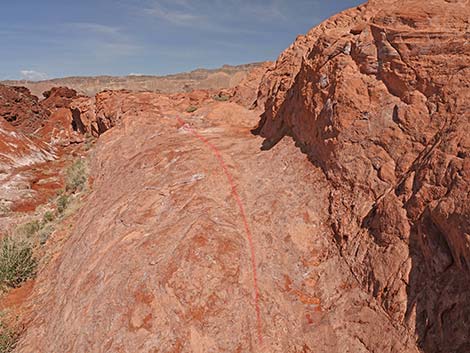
(217, 15)
(96, 28)
(178, 17)
(32, 75)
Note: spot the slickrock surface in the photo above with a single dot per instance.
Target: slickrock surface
(158, 260)
(379, 98)
(361, 243)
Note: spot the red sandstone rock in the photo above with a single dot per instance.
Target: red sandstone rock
(33, 135)
(18, 154)
(21, 109)
(363, 249)
(61, 128)
(245, 93)
(380, 100)
(159, 259)
(58, 97)
(27, 114)
(98, 114)
(18, 150)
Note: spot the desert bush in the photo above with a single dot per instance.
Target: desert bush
(35, 231)
(8, 338)
(47, 217)
(62, 203)
(17, 263)
(47, 227)
(58, 193)
(221, 97)
(191, 109)
(28, 230)
(76, 176)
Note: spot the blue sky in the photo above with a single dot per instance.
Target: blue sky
(57, 38)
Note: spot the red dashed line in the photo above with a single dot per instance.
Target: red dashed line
(239, 202)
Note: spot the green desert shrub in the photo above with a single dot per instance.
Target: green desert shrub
(76, 176)
(8, 338)
(28, 230)
(191, 109)
(17, 262)
(62, 203)
(221, 97)
(35, 231)
(48, 217)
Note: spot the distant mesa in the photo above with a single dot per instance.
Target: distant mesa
(227, 76)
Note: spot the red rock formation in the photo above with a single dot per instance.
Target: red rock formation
(18, 150)
(84, 115)
(61, 129)
(48, 118)
(364, 248)
(58, 97)
(245, 93)
(33, 135)
(378, 97)
(98, 114)
(158, 259)
(21, 109)
(18, 153)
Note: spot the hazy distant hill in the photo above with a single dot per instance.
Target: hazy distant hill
(225, 77)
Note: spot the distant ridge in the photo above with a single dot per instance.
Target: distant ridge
(227, 76)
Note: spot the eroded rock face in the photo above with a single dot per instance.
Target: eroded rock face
(21, 109)
(18, 150)
(245, 93)
(99, 114)
(34, 136)
(58, 97)
(379, 98)
(18, 153)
